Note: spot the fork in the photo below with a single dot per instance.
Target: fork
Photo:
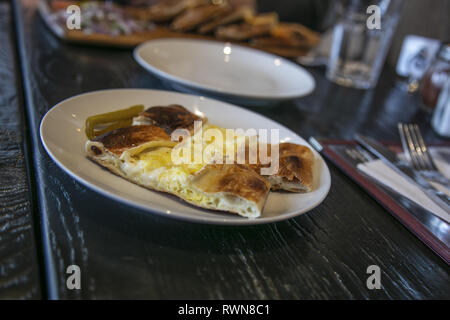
(418, 154)
(423, 165)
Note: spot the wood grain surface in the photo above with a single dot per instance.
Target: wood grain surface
(19, 274)
(126, 253)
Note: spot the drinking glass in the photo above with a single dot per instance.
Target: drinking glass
(441, 116)
(361, 40)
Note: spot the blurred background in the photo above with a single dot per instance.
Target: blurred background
(423, 18)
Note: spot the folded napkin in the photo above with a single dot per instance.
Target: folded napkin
(391, 179)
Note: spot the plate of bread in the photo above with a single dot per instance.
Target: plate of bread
(185, 156)
(121, 24)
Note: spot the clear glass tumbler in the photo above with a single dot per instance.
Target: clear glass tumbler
(361, 40)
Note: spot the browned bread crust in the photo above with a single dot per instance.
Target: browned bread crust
(243, 31)
(120, 140)
(194, 17)
(237, 15)
(233, 179)
(167, 10)
(296, 166)
(170, 117)
(295, 171)
(287, 40)
(295, 35)
(267, 18)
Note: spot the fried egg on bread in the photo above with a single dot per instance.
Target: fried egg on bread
(142, 154)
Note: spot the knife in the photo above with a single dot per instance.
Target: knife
(391, 159)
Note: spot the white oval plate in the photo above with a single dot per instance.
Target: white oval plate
(62, 134)
(227, 70)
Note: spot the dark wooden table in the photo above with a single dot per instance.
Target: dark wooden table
(19, 272)
(126, 253)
